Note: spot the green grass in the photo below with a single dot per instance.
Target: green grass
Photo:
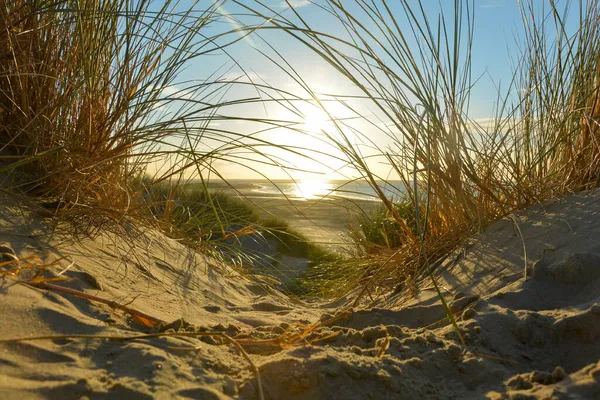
(293, 243)
(199, 214)
(214, 221)
(380, 230)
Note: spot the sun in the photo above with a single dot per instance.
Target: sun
(306, 151)
(316, 120)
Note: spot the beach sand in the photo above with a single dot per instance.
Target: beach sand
(534, 337)
(322, 221)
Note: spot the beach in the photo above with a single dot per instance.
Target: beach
(324, 222)
(300, 200)
(324, 218)
(183, 326)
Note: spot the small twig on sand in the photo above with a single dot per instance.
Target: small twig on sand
(261, 394)
(514, 219)
(492, 357)
(144, 318)
(384, 344)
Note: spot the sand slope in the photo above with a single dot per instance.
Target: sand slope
(533, 338)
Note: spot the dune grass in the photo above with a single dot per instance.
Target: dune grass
(215, 222)
(379, 230)
(414, 68)
(81, 88)
(90, 102)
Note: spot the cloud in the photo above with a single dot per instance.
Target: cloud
(484, 124)
(175, 92)
(295, 3)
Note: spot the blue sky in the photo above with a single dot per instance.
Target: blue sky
(497, 27)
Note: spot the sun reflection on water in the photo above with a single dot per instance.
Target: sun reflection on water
(313, 189)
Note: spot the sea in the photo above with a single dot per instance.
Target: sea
(313, 189)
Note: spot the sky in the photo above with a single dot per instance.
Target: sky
(497, 30)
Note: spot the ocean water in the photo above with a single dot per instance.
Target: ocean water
(316, 189)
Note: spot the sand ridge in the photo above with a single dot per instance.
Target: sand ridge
(527, 338)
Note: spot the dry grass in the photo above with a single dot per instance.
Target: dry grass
(460, 176)
(93, 115)
(88, 98)
(66, 113)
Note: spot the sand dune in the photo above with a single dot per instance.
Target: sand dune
(526, 338)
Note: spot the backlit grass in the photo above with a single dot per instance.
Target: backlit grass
(414, 68)
(90, 101)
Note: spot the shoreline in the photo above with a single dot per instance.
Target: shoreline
(323, 222)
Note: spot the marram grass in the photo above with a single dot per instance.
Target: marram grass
(414, 68)
(84, 85)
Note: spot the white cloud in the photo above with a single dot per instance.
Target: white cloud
(492, 123)
(295, 3)
(177, 93)
(237, 27)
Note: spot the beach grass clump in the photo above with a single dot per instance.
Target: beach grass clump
(557, 115)
(378, 229)
(90, 102)
(413, 67)
(192, 213)
(68, 123)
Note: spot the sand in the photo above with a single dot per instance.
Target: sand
(527, 338)
(322, 220)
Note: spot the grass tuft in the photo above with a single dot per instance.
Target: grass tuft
(413, 67)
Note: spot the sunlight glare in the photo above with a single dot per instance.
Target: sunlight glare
(313, 189)
(316, 120)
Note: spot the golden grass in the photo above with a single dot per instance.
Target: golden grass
(81, 85)
(62, 117)
(87, 102)
(459, 175)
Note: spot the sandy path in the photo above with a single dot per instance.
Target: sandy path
(321, 221)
